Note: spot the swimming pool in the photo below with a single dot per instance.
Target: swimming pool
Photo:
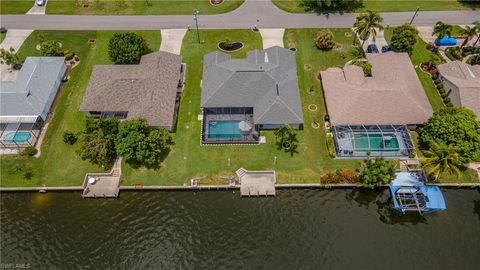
(376, 142)
(18, 137)
(225, 129)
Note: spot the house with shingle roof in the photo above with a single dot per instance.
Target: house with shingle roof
(148, 90)
(259, 91)
(370, 115)
(461, 81)
(26, 102)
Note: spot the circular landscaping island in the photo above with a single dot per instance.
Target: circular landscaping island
(230, 46)
(312, 107)
(216, 2)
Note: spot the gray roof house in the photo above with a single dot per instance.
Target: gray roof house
(266, 81)
(462, 83)
(32, 93)
(147, 90)
(26, 102)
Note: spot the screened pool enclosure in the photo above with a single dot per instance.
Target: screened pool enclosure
(372, 140)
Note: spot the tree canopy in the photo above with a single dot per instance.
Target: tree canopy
(367, 24)
(324, 40)
(127, 48)
(97, 143)
(377, 172)
(51, 48)
(139, 144)
(404, 38)
(332, 5)
(456, 126)
(442, 30)
(441, 158)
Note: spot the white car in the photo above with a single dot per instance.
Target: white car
(40, 2)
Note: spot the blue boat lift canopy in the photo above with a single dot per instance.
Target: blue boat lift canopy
(418, 198)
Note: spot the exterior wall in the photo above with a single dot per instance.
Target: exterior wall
(53, 93)
(453, 89)
(272, 126)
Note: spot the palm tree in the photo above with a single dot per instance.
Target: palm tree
(367, 24)
(357, 53)
(442, 29)
(477, 27)
(469, 33)
(441, 158)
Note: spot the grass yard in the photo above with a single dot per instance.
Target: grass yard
(294, 6)
(2, 36)
(58, 164)
(15, 6)
(188, 159)
(419, 55)
(138, 7)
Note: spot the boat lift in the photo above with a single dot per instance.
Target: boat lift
(418, 198)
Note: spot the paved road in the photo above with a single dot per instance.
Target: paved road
(253, 12)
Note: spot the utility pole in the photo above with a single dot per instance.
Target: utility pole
(195, 13)
(414, 15)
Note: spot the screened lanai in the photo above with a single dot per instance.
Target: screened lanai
(372, 140)
(19, 134)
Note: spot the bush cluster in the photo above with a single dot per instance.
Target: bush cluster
(454, 53)
(127, 48)
(340, 176)
(29, 151)
(324, 40)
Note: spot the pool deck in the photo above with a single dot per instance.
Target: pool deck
(256, 183)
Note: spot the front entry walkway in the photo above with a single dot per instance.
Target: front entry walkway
(103, 185)
(172, 40)
(256, 183)
(272, 37)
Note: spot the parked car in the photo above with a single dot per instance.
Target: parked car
(40, 2)
(386, 48)
(372, 48)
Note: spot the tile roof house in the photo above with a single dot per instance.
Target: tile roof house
(146, 90)
(462, 83)
(393, 95)
(266, 81)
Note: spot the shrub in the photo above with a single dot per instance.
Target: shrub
(440, 87)
(126, 48)
(404, 38)
(69, 138)
(457, 126)
(228, 44)
(51, 48)
(443, 95)
(347, 175)
(77, 58)
(442, 92)
(3, 30)
(330, 178)
(377, 172)
(29, 151)
(434, 77)
(366, 67)
(69, 56)
(331, 146)
(324, 40)
(449, 104)
(447, 100)
(26, 172)
(474, 60)
(10, 57)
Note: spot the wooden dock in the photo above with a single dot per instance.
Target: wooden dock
(256, 183)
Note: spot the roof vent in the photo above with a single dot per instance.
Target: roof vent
(266, 58)
(28, 93)
(276, 86)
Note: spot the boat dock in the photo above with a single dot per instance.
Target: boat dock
(256, 183)
(103, 185)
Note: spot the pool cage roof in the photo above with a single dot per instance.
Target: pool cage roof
(14, 128)
(345, 139)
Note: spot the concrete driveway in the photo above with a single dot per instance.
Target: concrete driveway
(272, 37)
(38, 10)
(379, 41)
(14, 39)
(172, 40)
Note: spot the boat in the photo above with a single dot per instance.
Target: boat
(423, 199)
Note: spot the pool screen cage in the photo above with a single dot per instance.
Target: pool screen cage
(372, 140)
(20, 135)
(213, 115)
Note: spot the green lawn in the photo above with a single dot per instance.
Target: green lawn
(15, 6)
(188, 159)
(419, 55)
(2, 36)
(138, 7)
(58, 164)
(385, 5)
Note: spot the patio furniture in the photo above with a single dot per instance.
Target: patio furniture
(92, 180)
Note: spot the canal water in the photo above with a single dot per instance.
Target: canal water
(298, 229)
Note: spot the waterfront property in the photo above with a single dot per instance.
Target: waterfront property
(462, 84)
(149, 90)
(240, 97)
(27, 101)
(370, 115)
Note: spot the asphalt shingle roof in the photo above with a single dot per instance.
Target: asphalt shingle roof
(266, 81)
(147, 90)
(393, 95)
